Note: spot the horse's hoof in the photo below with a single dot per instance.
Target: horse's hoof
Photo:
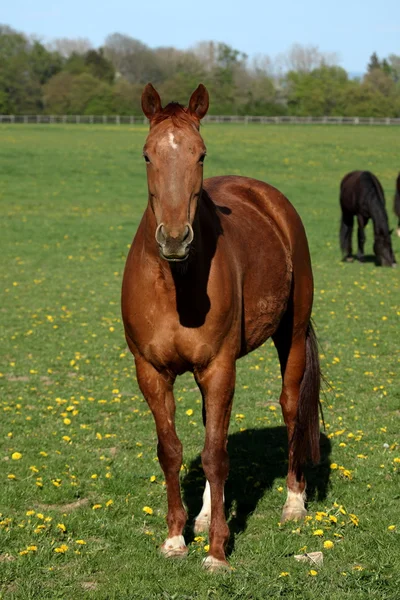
(214, 565)
(349, 259)
(293, 513)
(201, 524)
(174, 547)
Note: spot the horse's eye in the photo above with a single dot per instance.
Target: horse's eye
(146, 158)
(201, 159)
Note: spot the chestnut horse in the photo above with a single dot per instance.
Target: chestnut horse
(216, 268)
(361, 195)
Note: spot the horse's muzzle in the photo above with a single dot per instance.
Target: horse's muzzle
(174, 246)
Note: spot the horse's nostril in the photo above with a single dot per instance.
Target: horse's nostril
(189, 235)
(161, 235)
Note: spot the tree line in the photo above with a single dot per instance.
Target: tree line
(69, 76)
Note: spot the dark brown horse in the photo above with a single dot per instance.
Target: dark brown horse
(361, 195)
(397, 204)
(215, 268)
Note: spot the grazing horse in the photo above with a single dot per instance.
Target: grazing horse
(362, 195)
(216, 267)
(397, 204)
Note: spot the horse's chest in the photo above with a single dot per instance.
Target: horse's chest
(176, 348)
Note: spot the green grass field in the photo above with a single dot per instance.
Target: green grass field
(78, 456)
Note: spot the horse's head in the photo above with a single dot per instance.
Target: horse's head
(383, 250)
(174, 153)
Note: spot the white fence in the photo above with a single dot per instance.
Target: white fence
(131, 120)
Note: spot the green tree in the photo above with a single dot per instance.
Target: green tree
(317, 93)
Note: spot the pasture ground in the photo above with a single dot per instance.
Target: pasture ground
(78, 455)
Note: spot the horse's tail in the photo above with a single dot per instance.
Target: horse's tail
(305, 440)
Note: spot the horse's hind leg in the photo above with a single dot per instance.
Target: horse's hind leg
(346, 232)
(159, 395)
(361, 237)
(299, 400)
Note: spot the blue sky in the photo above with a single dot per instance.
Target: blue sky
(352, 28)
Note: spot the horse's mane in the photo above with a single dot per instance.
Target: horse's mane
(376, 201)
(178, 114)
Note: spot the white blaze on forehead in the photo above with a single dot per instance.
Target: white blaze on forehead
(172, 142)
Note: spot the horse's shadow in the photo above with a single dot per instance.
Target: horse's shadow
(367, 258)
(257, 458)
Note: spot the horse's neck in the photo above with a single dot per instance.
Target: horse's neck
(377, 211)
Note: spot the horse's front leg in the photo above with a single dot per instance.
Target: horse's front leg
(157, 389)
(217, 384)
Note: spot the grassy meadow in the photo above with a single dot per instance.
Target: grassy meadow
(82, 497)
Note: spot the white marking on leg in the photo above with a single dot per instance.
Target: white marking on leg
(214, 564)
(174, 546)
(294, 506)
(172, 142)
(203, 519)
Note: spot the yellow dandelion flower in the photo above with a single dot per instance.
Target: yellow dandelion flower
(66, 438)
(354, 519)
(313, 573)
(32, 548)
(332, 518)
(273, 408)
(11, 476)
(328, 544)
(392, 527)
(67, 421)
(318, 532)
(80, 542)
(30, 513)
(147, 510)
(62, 527)
(334, 466)
(23, 552)
(108, 475)
(94, 476)
(284, 574)
(61, 549)
(16, 455)
(189, 412)
(109, 502)
(206, 548)
(152, 478)
(96, 506)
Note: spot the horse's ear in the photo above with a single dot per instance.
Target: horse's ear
(199, 102)
(151, 102)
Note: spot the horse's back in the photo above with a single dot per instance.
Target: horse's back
(354, 188)
(243, 198)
